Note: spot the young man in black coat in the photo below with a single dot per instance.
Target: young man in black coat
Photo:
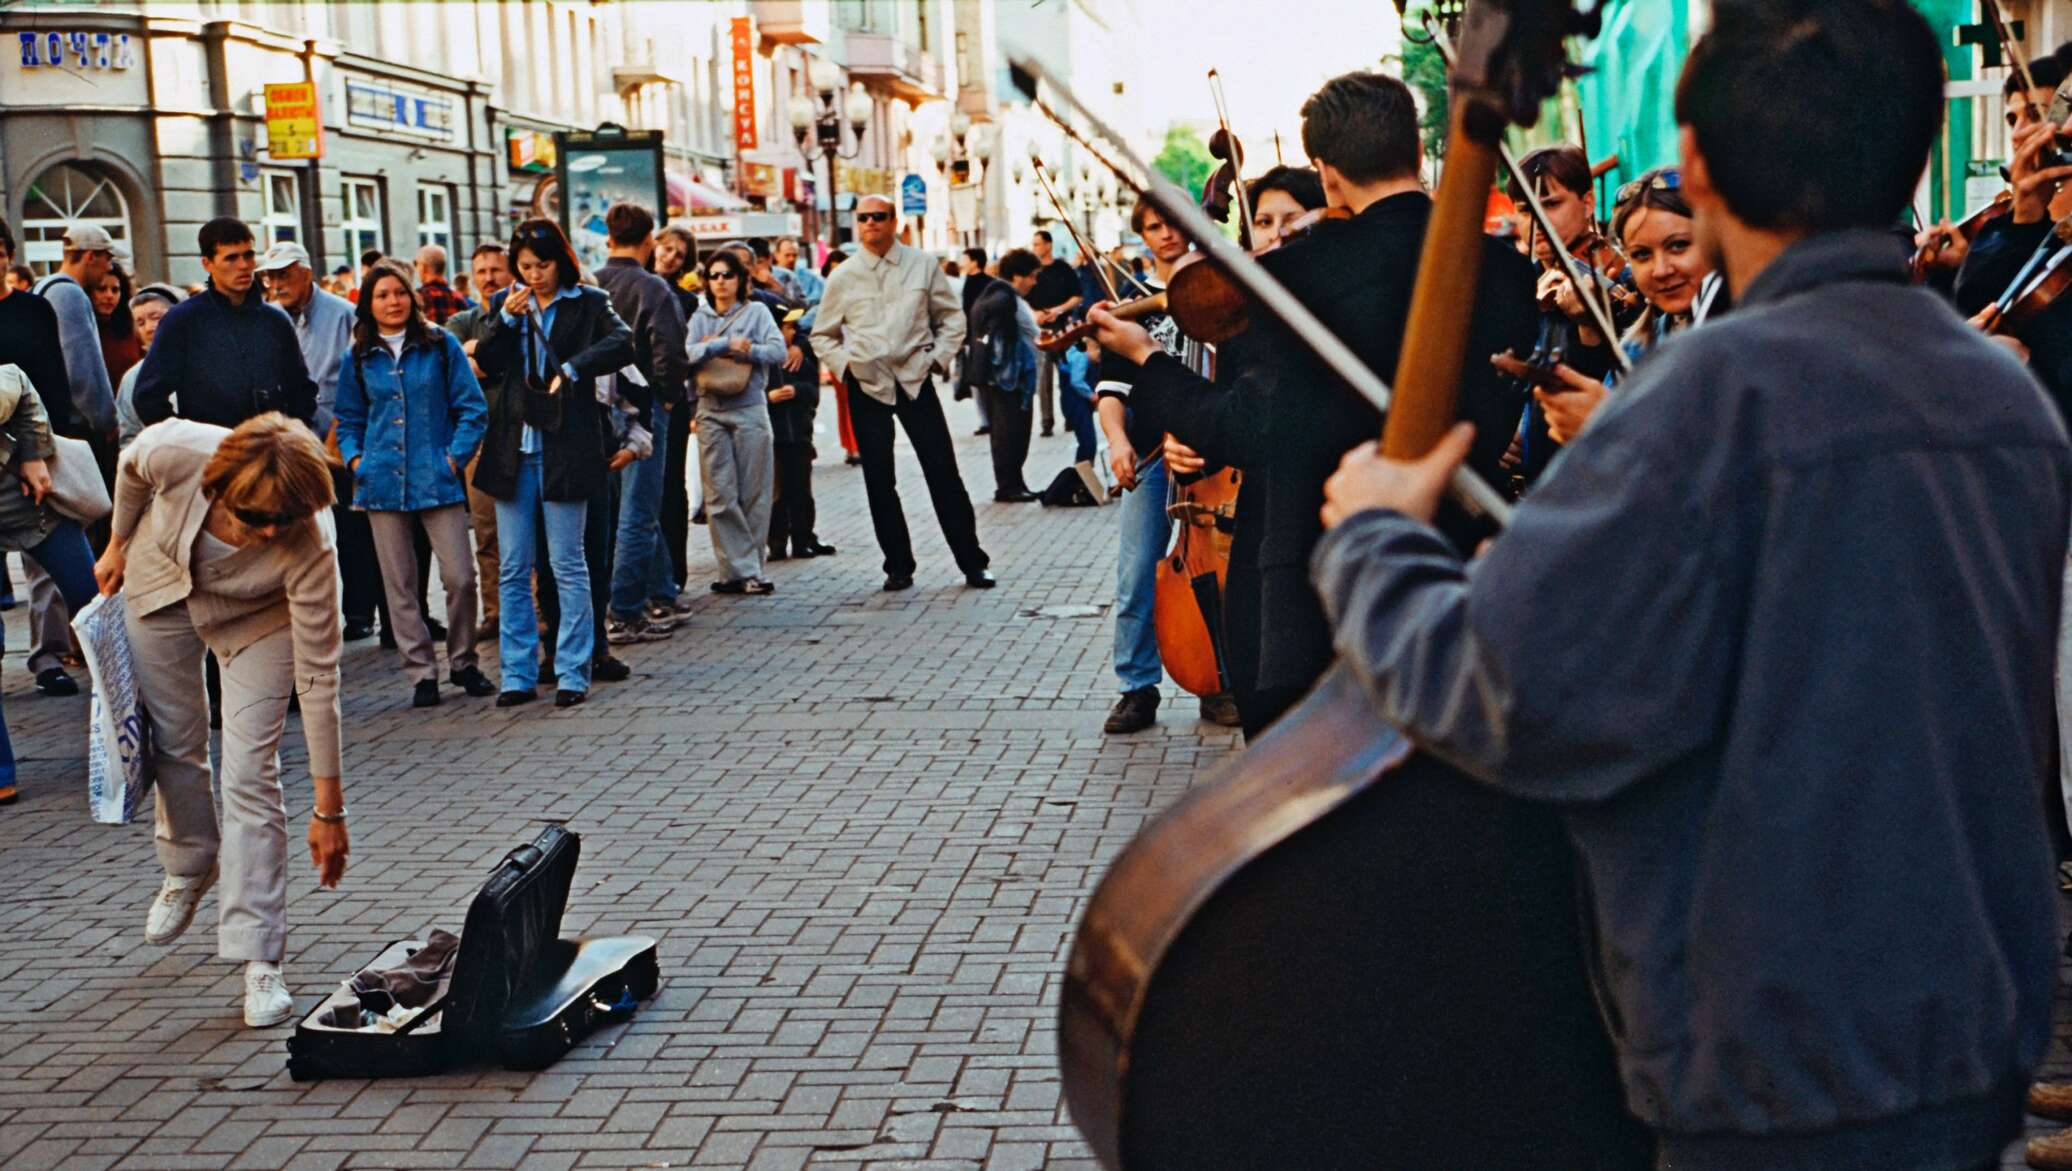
(1279, 416)
(794, 401)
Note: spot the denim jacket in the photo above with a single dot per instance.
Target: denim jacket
(411, 423)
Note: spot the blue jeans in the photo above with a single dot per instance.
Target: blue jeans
(641, 567)
(64, 555)
(1079, 415)
(1146, 531)
(518, 638)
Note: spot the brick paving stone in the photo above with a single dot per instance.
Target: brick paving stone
(861, 826)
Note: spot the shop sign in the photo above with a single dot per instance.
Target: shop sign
(866, 180)
(761, 179)
(744, 84)
(293, 129)
(76, 50)
(913, 195)
(377, 105)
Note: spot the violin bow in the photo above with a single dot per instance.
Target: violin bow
(1586, 290)
(1469, 489)
(2014, 58)
(1064, 214)
(1237, 161)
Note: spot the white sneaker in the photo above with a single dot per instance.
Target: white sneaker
(267, 1002)
(174, 908)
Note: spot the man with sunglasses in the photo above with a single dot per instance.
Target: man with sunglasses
(888, 325)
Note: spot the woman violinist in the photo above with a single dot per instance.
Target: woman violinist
(1652, 224)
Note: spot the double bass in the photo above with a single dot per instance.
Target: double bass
(1336, 952)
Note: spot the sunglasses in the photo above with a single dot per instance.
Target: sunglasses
(1669, 180)
(722, 274)
(253, 519)
(872, 217)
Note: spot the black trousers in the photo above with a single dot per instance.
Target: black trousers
(922, 419)
(676, 497)
(793, 514)
(1010, 437)
(600, 531)
(358, 572)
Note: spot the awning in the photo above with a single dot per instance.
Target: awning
(687, 196)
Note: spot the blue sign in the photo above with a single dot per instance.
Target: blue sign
(913, 196)
(376, 105)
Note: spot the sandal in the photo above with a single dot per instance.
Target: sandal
(757, 585)
(730, 587)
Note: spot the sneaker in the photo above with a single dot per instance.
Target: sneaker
(621, 631)
(1134, 712)
(54, 681)
(267, 1002)
(680, 605)
(661, 615)
(174, 908)
(9, 794)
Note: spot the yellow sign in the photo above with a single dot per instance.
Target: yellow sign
(293, 129)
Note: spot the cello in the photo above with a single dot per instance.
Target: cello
(1187, 605)
(1336, 952)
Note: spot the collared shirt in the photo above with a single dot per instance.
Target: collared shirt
(811, 284)
(324, 327)
(889, 320)
(529, 439)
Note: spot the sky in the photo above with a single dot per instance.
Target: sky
(1271, 53)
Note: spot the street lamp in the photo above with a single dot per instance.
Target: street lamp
(962, 143)
(821, 118)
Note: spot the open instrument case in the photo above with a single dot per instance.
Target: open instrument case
(516, 991)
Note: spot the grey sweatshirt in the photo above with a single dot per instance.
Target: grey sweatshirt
(766, 349)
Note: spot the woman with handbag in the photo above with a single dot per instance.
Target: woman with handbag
(410, 415)
(30, 521)
(222, 544)
(544, 457)
(734, 344)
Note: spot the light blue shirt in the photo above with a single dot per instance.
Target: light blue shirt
(325, 329)
(529, 439)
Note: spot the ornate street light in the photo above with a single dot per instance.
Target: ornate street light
(821, 116)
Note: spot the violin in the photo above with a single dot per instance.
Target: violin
(1966, 230)
(1064, 339)
(2043, 280)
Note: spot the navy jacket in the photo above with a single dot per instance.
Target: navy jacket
(1776, 634)
(226, 363)
(413, 424)
(1996, 258)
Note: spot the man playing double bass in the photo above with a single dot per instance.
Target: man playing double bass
(1275, 413)
(1792, 694)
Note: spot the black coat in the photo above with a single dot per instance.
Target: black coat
(791, 421)
(225, 363)
(586, 335)
(1995, 260)
(1278, 415)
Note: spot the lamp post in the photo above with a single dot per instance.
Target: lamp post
(823, 119)
(954, 155)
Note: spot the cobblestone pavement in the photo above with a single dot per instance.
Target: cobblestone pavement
(862, 826)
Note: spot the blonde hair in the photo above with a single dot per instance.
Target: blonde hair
(270, 463)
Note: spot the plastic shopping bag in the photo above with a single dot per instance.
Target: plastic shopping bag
(118, 765)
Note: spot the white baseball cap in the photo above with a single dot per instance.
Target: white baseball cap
(286, 254)
(87, 238)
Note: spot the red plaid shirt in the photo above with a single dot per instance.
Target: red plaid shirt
(440, 301)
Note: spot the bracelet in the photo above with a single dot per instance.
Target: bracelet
(337, 818)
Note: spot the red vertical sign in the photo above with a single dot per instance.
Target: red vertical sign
(744, 85)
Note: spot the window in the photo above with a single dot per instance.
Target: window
(283, 218)
(435, 215)
(65, 194)
(362, 221)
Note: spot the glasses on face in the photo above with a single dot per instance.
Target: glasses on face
(872, 217)
(254, 519)
(1668, 180)
(722, 274)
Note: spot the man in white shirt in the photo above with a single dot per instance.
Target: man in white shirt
(888, 323)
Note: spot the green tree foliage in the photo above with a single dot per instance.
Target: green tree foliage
(1424, 71)
(1184, 159)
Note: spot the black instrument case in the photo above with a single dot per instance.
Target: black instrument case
(516, 991)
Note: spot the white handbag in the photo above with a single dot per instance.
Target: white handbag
(77, 491)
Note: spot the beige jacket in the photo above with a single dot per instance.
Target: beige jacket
(889, 320)
(159, 508)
